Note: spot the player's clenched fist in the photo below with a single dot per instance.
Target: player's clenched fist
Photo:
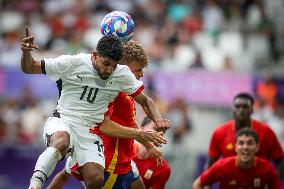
(27, 43)
(162, 124)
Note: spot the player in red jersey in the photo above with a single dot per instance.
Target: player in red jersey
(118, 151)
(154, 176)
(223, 138)
(244, 170)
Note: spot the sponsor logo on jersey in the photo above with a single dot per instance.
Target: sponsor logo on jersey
(233, 182)
(256, 182)
(229, 146)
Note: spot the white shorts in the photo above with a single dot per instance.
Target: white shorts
(86, 146)
(135, 170)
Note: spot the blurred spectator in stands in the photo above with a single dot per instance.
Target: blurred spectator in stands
(3, 131)
(10, 115)
(178, 113)
(10, 53)
(26, 98)
(267, 89)
(276, 121)
(227, 63)
(198, 62)
(193, 22)
(213, 18)
(32, 120)
(178, 10)
(233, 17)
(262, 110)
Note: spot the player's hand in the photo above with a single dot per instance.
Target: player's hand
(162, 124)
(157, 153)
(153, 136)
(27, 43)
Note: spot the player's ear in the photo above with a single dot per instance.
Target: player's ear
(257, 147)
(94, 55)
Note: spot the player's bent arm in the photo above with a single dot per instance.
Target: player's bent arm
(152, 111)
(197, 184)
(29, 65)
(59, 180)
(113, 129)
(148, 106)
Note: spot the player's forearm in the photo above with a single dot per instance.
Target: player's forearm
(27, 62)
(151, 109)
(148, 145)
(113, 129)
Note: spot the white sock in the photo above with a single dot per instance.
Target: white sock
(46, 164)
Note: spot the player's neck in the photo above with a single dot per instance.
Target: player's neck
(242, 124)
(245, 165)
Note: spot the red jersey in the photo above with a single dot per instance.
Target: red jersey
(118, 151)
(154, 177)
(223, 141)
(230, 176)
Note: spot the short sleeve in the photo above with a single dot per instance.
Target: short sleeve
(276, 152)
(131, 85)
(57, 68)
(211, 175)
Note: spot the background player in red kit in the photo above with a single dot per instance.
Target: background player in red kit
(154, 175)
(118, 151)
(244, 170)
(223, 138)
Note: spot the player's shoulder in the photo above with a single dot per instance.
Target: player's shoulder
(260, 124)
(81, 58)
(166, 166)
(73, 59)
(264, 163)
(223, 127)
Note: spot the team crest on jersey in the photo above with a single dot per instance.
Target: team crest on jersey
(256, 182)
(148, 174)
(229, 146)
(233, 182)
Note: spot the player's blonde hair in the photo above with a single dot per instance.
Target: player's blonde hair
(133, 51)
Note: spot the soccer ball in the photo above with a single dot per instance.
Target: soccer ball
(118, 23)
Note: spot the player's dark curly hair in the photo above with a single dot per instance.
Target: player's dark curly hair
(247, 132)
(246, 96)
(110, 46)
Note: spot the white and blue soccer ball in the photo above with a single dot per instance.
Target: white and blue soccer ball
(118, 23)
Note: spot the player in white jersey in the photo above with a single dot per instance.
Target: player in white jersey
(88, 83)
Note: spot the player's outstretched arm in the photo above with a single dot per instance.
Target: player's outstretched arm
(113, 129)
(28, 64)
(152, 111)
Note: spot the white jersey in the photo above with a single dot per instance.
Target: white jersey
(84, 96)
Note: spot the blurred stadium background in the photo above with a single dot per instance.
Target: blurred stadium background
(203, 52)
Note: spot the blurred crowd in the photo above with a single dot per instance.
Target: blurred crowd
(180, 34)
